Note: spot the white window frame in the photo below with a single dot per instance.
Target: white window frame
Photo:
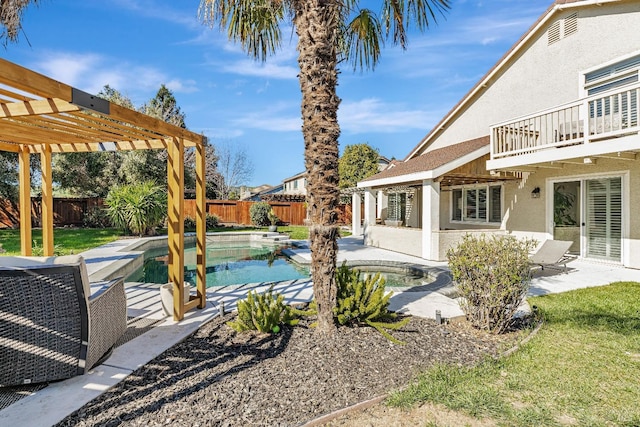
(463, 218)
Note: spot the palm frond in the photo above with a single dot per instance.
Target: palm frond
(397, 15)
(254, 23)
(363, 40)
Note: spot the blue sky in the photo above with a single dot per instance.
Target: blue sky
(136, 45)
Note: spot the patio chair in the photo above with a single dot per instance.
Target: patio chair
(51, 327)
(552, 254)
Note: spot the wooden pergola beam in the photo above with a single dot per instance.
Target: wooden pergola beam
(39, 115)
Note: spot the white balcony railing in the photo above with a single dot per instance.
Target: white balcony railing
(602, 116)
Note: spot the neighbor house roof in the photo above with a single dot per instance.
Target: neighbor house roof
(430, 165)
(485, 81)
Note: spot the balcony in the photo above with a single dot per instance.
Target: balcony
(599, 124)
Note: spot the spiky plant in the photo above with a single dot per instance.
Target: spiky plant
(263, 313)
(365, 301)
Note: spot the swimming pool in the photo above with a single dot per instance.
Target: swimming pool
(240, 262)
(228, 263)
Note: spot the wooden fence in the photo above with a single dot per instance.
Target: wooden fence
(66, 211)
(72, 211)
(237, 212)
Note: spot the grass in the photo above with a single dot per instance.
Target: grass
(582, 368)
(66, 240)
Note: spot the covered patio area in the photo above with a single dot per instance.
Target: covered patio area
(424, 206)
(41, 116)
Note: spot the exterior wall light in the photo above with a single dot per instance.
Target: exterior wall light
(535, 194)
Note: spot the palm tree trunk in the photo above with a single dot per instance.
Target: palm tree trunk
(316, 23)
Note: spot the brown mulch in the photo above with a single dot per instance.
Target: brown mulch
(218, 377)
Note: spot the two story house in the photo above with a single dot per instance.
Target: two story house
(544, 146)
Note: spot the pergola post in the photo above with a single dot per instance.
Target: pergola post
(47, 200)
(175, 226)
(24, 167)
(201, 225)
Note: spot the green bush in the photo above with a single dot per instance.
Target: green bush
(492, 276)
(189, 223)
(212, 221)
(263, 312)
(259, 213)
(364, 301)
(137, 208)
(96, 217)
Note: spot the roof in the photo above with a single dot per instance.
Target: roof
(484, 82)
(433, 160)
(37, 112)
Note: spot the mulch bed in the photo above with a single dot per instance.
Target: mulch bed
(218, 377)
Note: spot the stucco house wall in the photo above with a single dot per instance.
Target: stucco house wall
(546, 75)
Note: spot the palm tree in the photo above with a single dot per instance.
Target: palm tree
(329, 32)
(11, 17)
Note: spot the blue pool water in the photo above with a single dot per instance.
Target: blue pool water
(227, 264)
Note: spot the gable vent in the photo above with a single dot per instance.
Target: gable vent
(571, 24)
(554, 32)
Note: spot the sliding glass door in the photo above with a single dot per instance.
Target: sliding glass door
(588, 212)
(603, 219)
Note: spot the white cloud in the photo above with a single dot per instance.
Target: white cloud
(91, 72)
(373, 115)
(249, 67)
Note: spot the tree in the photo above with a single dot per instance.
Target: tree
(211, 165)
(358, 161)
(11, 18)
(165, 107)
(328, 31)
(234, 169)
(91, 174)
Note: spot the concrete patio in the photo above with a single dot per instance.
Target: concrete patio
(52, 403)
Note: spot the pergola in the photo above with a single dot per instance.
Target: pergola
(41, 116)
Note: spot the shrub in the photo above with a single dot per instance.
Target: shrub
(364, 301)
(212, 221)
(96, 217)
(259, 213)
(273, 218)
(492, 276)
(189, 223)
(263, 312)
(137, 208)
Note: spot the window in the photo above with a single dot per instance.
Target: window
(618, 110)
(295, 184)
(477, 204)
(397, 206)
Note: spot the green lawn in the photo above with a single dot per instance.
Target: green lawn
(66, 240)
(582, 368)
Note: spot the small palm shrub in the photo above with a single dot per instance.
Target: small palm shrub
(137, 208)
(492, 276)
(364, 301)
(259, 213)
(212, 221)
(263, 313)
(189, 223)
(96, 217)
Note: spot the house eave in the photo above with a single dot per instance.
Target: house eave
(428, 174)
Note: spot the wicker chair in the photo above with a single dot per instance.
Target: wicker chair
(51, 327)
